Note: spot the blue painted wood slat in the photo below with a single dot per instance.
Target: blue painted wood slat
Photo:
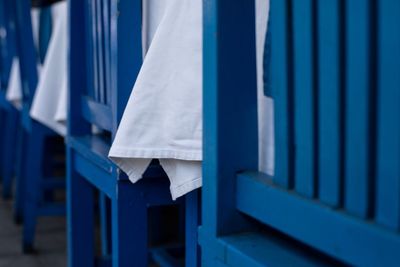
(304, 95)
(358, 107)
(107, 54)
(388, 144)
(26, 50)
(89, 63)
(330, 106)
(100, 49)
(281, 60)
(230, 60)
(93, 34)
(80, 217)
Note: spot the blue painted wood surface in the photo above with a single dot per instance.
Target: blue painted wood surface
(355, 241)
(330, 101)
(359, 107)
(282, 89)
(388, 126)
(229, 59)
(305, 94)
(336, 92)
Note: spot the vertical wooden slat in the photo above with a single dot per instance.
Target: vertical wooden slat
(89, 49)
(125, 52)
(388, 144)
(107, 66)
(100, 48)
(281, 68)
(94, 36)
(26, 50)
(358, 107)
(330, 141)
(304, 92)
(229, 66)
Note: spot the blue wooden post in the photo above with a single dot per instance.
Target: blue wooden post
(32, 179)
(192, 222)
(229, 88)
(129, 227)
(32, 188)
(29, 79)
(80, 217)
(79, 209)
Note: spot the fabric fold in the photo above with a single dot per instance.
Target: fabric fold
(163, 118)
(49, 103)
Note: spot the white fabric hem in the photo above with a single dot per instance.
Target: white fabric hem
(183, 189)
(118, 152)
(135, 171)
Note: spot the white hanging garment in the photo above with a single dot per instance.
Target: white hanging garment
(163, 118)
(266, 146)
(49, 103)
(14, 90)
(153, 13)
(35, 18)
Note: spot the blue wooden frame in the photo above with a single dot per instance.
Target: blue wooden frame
(8, 114)
(32, 179)
(102, 73)
(336, 183)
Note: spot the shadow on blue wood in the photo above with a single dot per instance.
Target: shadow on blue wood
(35, 159)
(336, 96)
(105, 58)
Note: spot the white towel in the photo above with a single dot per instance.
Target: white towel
(163, 118)
(49, 103)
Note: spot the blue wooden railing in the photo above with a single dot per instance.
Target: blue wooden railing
(335, 195)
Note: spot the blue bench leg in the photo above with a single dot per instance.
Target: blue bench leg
(20, 176)
(3, 125)
(9, 152)
(192, 204)
(34, 163)
(105, 224)
(129, 227)
(80, 217)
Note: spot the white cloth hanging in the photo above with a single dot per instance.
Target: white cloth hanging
(163, 118)
(14, 90)
(266, 146)
(49, 104)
